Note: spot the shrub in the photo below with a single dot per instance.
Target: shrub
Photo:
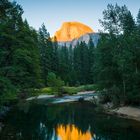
(55, 83)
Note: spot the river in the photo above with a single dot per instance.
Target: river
(44, 120)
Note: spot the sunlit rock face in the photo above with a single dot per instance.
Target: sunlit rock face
(72, 30)
(70, 132)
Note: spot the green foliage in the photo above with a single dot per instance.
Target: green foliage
(28, 57)
(31, 60)
(46, 90)
(63, 89)
(41, 91)
(51, 79)
(55, 83)
(117, 20)
(117, 66)
(75, 90)
(7, 91)
(71, 90)
(19, 57)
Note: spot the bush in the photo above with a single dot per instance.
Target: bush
(7, 90)
(70, 90)
(55, 83)
(90, 87)
(74, 90)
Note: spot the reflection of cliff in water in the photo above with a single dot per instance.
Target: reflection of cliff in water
(40, 122)
(71, 132)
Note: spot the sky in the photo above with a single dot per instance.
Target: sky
(54, 12)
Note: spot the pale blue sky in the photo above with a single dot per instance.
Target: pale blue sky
(54, 12)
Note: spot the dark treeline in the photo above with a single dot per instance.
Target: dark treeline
(27, 56)
(19, 52)
(117, 67)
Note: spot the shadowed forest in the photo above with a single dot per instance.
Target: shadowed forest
(30, 59)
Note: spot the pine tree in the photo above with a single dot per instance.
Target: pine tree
(121, 45)
(91, 55)
(64, 63)
(55, 55)
(46, 52)
(19, 59)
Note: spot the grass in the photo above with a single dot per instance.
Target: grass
(47, 91)
(42, 91)
(65, 90)
(71, 90)
(14, 96)
(74, 90)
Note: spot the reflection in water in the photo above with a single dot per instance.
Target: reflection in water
(71, 132)
(69, 121)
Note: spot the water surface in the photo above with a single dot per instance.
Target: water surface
(69, 121)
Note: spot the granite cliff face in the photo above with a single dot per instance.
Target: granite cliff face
(85, 38)
(72, 30)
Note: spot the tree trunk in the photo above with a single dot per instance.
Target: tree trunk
(124, 88)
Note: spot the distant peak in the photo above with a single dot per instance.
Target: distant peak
(72, 30)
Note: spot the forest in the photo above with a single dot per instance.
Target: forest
(31, 59)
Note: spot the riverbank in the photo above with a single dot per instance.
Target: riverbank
(127, 112)
(80, 96)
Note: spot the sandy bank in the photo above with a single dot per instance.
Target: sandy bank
(127, 112)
